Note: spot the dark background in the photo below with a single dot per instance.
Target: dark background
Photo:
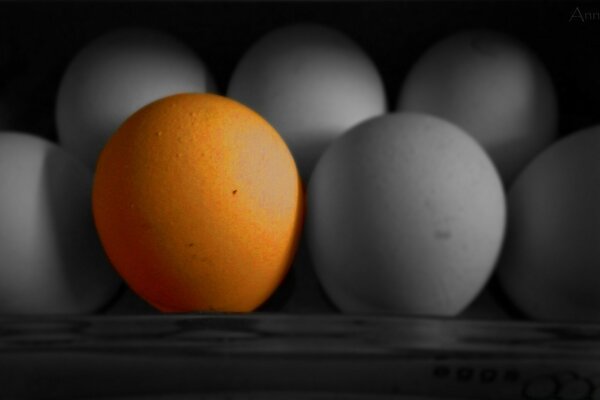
(38, 39)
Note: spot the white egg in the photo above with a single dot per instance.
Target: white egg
(550, 266)
(114, 76)
(51, 260)
(493, 87)
(405, 215)
(311, 83)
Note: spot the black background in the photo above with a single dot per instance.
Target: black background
(38, 40)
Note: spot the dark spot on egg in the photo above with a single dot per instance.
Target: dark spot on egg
(234, 192)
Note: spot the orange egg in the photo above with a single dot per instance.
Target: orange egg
(198, 204)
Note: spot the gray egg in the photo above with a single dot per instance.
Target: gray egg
(405, 215)
(311, 83)
(114, 76)
(550, 267)
(51, 260)
(493, 87)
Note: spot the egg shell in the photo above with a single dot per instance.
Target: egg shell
(115, 75)
(493, 87)
(550, 267)
(198, 204)
(311, 83)
(51, 261)
(405, 215)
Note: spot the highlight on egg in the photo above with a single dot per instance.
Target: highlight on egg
(198, 204)
(492, 86)
(115, 75)
(312, 83)
(50, 256)
(550, 266)
(405, 215)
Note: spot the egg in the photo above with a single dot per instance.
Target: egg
(493, 87)
(550, 266)
(198, 204)
(51, 261)
(115, 75)
(405, 215)
(311, 83)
